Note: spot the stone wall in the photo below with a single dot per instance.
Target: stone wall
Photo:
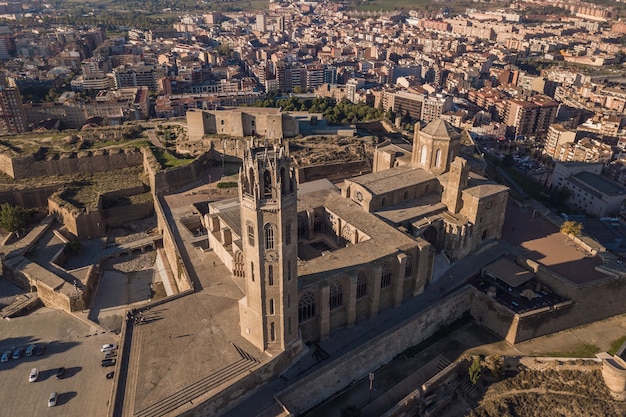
(30, 197)
(343, 371)
(162, 181)
(29, 166)
(333, 172)
(181, 276)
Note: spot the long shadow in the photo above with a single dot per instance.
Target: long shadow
(66, 397)
(193, 276)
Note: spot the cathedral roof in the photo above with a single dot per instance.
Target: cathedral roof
(440, 128)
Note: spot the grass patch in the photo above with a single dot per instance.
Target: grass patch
(616, 344)
(584, 350)
(169, 160)
(441, 333)
(228, 184)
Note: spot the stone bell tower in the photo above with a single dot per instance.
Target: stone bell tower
(268, 194)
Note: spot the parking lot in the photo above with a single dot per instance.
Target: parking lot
(71, 343)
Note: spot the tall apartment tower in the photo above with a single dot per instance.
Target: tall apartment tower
(268, 194)
(12, 115)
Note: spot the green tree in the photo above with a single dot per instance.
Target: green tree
(13, 218)
(570, 227)
(72, 248)
(475, 370)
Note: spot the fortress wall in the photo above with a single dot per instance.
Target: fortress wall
(162, 181)
(343, 371)
(181, 276)
(29, 197)
(332, 172)
(119, 216)
(72, 163)
(6, 165)
(491, 314)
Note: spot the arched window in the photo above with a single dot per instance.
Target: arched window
(336, 295)
(361, 285)
(272, 332)
(271, 306)
(288, 270)
(306, 307)
(270, 275)
(284, 181)
(384, 202)
(252, 271)
(406, 195)
(408, 268)
(269, 236)
(267, 184)
(239, 265)
(250, 234)
(423, 155)
(385, 279)
(438, 158)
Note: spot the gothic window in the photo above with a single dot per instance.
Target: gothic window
(438, 158)
(270, 275)
(252, 270)
(336, 295)
(284, 181)
(408, 268)
(267, 185)
(385, 279)
(361, 285)
(346, 233)
(250, 234)
(269, 236)
(306, 307)
(288, 233)
(317, 224)
(423, 155)
(406, 195)
(271, 306)
(384, 202)
(239, 264)
(288, 270)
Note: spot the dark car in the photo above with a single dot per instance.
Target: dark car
(110, 375)
(18, 353)
(60, 372)
(40, 350)
(107, 362)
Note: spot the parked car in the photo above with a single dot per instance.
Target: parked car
(60, 372)
(30, 350)
(108, 347)
(110, 354)
(40, 350)
(52, 401)
(34, 373)
(5, 356)
(18, 353)
(110, 375)
(107, 362)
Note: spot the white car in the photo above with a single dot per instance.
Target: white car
(52, 401)
(34, 373)
(108, 347)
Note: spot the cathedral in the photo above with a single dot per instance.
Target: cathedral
(316, 257)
